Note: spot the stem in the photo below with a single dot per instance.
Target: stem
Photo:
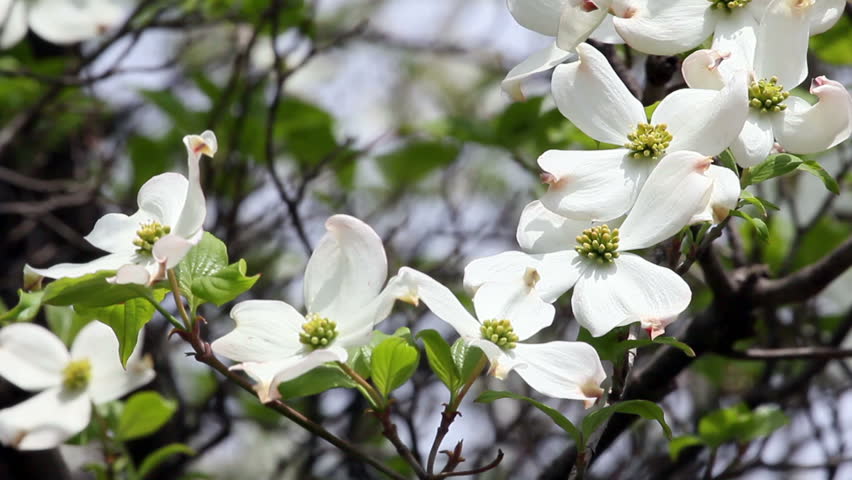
(105, 442)
(450, 412)
(708, 474)
(178, 300)
(373, 395)
(165, 313)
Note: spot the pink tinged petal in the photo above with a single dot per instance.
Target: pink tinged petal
(705, 121)
(755, 141)
(578, 19)
(736, 34)
(592, 185)
(97, 343)
(569, 370)
(630, 290)
(782, 43)
(266, 330)
(701, 69)
(440, 301)
(171, 249)
(131, 274)
(540, 16)
(803, 128)
(676, 190)
(502, 361)
(115, 232)
(540, 61)
(46, 420)
(162, 197)
(63, 22)
(592, 97)
(665, 27)
(558, 271)
(194, 211)
(726, 193)
(515, 300)
(31, 357)
(346, 270)
(542, 231)
(824, 14)
(606, 33)
(113, 261)
(13, 18)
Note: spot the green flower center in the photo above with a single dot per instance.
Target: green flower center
(649, 141)
(77, 374)
(499, 332)
(147, 236)
(317, 332)
(729, 5)
(598, 244)
(767, 95)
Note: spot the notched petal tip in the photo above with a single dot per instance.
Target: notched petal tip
(32, 280)
(531, 277)
(205, 143)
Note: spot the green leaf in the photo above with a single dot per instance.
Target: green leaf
(316, 381)
(815, 169)
(719, 426)
(125, 320)
(650, 109)
(679, 443)
(414, 161)
(393, 363)
(774, 166)
(440, 358)
(747, 197)
(361, 358)
(759, 225)
(763, 421)
(160, 455)
(642, 408)
(224, 285)
(518, 122)
(65, 322)
(144, 413)
(560, 420)
(727, 161)
(673, 342)
(91, 291)
(29, 304)
(466, 358)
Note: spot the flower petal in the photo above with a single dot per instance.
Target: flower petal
(578, 20)
(665, 27)
(824, 14)
(803, 128)
(558, 271)
(266, 330)
(110, 380)
(115, 232)
(502, 361)
(440, 301)
(540, 16)
(570, 370)
(676, 190)
(31, 356)
(46, 420)
(194, 210)
(131, 274)
(171, 249)
(358, 327)
(113, 261)
(630, 290)
(605, 33)
(515, 300)
(542, 231)
(726, 193)
(347, 269)
(13, 18)
(782, 43)
(267, 375)
(162, 197)
(755, 141)
(701, 69)
(705, 121)
(540, 61)
(736, 34)
(592, 97)
(592, 185)
(63, 22)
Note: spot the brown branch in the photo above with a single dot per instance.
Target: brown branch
(796, 353)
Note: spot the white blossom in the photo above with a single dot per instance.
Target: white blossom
(59, 21)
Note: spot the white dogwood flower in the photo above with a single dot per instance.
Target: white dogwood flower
(507, 314)
(603, 184)
(59, 21)
(168, 223)
(612, 287)
(776, 61)
(344, 299)
(35, 360)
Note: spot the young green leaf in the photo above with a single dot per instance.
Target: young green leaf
(316, 381)
(160, 455)
(560, 420)
(815, 169)
(126, 320)
(205, 276)
(466, 358)
(679, 443)
(224, 285)
(440, 358)
(643, 408)
(759, 225)
(29, 304)
(673, 342)
(393, 362)
(91, 290)
(726, 159)
(144, 413)
(774, 166)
